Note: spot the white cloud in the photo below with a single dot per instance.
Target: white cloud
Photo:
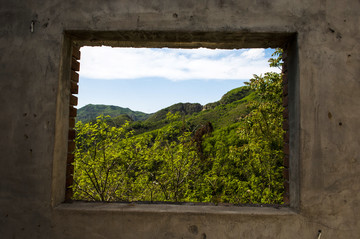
(254, 54)
(173, 64)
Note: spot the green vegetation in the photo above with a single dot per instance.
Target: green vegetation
(229, 151)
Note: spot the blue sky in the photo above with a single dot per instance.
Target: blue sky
(148, 79)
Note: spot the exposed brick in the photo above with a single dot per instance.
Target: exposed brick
(285, 89)
(286, 161)
(70, 158)
(69, 170)
(286, 174)
(286, 188)
(284, 69)
(75, 65)
(73, 100)
(74, 88)
(68, 194)
(286, 149)
(285, 101)
(69, 181)
(286, 137)
(286, 124)
(284, 54)
(285, 80)
(286, 113)
(71, 146)
(71, 134)
(286, 199)
(72, 111)
(71, 122)
(74, 76)
(76, 52)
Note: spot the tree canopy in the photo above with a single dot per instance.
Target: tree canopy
(238, 160)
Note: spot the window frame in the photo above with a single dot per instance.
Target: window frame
(68, 87)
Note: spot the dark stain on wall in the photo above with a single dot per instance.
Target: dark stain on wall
(193, 229)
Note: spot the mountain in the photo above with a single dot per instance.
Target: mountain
(231, 96)
(90, 112)
(224, 112)
(228, 110)
(182, 108)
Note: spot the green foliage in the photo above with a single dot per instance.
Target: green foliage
(97, 157)
(112, 166)
(277, 61)
(262, 129)
(237, 159)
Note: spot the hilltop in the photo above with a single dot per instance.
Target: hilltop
(221, 113)
(90, 112)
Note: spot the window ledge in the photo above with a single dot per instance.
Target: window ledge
(188, 208)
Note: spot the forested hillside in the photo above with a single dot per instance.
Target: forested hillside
(90, 112)
(220, 113)
(229, 151)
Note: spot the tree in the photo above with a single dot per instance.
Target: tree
(97, 156)
(263, 132)
(238, 163)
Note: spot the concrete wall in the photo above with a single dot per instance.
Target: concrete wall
(34, 81)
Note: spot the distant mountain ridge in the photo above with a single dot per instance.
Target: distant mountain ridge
(229, 97)
(183, 108)
(228, 106)
(90, 112)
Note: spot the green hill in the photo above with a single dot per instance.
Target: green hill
(228, 110)
(231, 96)
(90, 112)
(182, 108)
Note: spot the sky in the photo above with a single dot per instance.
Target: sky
(149, 79)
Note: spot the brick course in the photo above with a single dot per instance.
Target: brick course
(73, 101)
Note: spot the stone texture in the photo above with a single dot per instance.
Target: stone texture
(36, 39)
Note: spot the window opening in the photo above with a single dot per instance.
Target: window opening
(228, 151)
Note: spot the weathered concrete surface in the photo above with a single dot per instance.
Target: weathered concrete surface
(33, 129)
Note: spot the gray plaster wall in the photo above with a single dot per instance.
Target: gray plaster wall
(325, 142)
